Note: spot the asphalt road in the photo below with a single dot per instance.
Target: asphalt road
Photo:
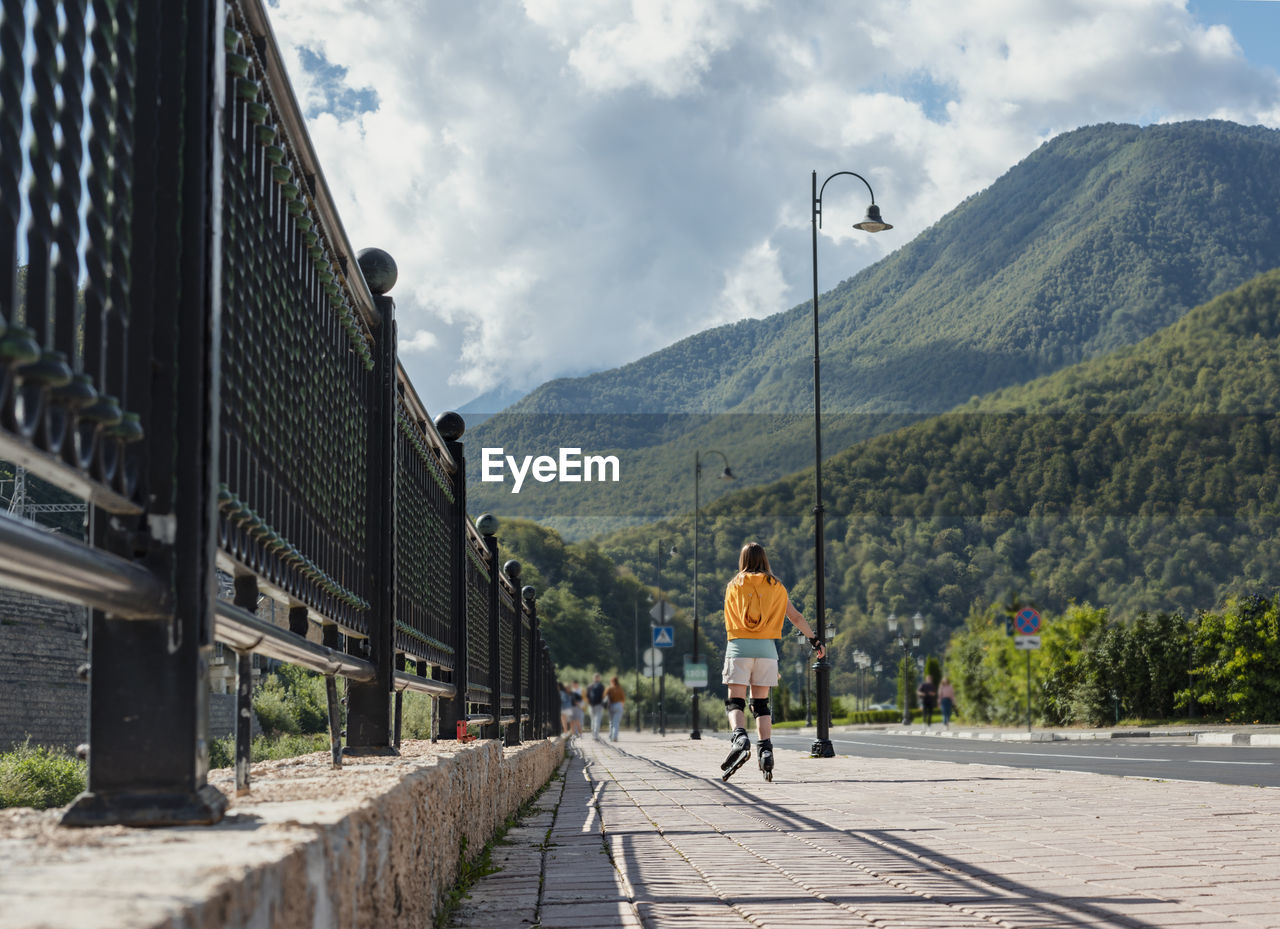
(1159, 758)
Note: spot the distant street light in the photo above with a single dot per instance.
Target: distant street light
(917, 624)
(660, 722)
(725, 475)
(635, 697)
(822, 747)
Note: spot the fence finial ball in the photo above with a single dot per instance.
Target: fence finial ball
(379, 269)
(450, 425)
(487, 524)
(512, 569)
(528, 594)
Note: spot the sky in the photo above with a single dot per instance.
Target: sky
(569, 185)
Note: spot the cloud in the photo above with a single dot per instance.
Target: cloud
(754, 287)
(567, 185)
(420, 341)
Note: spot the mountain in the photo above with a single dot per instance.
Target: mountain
(478, 409)
(1147, 479)
(1099, 238)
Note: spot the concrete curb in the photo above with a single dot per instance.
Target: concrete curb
(1265, 739)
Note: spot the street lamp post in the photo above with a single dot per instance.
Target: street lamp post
(725, 475)
(635, 697)
(917, 627)
(661, 720)
(822, 747)
(861, 661)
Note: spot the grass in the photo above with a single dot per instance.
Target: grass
(222, 752)
(861, 716)
(40, 777)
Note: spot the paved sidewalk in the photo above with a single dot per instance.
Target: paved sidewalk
(642, 833)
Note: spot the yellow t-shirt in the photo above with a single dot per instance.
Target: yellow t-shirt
(755, 607)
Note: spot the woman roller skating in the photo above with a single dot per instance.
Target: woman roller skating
(755, 608)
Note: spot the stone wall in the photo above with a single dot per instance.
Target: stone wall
(41, 646)
(222, 717)
(375, 843)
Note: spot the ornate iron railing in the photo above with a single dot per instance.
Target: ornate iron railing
(189, 344)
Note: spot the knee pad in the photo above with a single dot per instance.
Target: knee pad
(760, 707)
(735, 703)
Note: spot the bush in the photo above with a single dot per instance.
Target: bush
(871, 716)
(39, 777)
(415, 716)
(1235, 653)
(292, 701)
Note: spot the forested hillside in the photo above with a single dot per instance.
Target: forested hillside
(590, 613)
(1101, 237)
(1145, 480)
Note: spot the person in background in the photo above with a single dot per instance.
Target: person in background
(947, 700)
(566, 710)
(595, 700)
(575, 708)
(928, 694)
(617, 701)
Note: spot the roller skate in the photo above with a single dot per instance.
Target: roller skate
(738, 756)
(764, 753)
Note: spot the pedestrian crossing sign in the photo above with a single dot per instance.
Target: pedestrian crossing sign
(664, 636)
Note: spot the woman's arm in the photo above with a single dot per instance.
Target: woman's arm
(802, 624)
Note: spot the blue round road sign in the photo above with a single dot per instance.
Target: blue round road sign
(1027, 621)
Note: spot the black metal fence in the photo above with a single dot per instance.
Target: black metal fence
(189, 345)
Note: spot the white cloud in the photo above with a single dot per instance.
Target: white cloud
(569, 184)
(420, 341)
(754, 287)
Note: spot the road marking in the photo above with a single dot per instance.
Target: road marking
(1013, 753)
(1061, 757)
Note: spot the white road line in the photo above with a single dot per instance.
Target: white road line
(1064, 756)
(1060, 757)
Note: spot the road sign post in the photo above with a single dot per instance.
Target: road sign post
(1027, 624)
(695, 673)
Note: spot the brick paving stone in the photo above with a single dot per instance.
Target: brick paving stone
(643, 833)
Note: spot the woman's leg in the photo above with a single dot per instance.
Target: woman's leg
(764, 724)
(737, 717)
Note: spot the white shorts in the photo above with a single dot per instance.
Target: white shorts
(758, 672)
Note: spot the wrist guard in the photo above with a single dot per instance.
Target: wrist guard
(816, 642)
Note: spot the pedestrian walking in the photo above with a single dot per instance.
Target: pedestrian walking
(946, 700)
(566, 709)
(617, 701)
(928, 694)
(755, 608)
(575, 708)
(595, 700)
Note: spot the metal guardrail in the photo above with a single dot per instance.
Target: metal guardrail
(190, 345)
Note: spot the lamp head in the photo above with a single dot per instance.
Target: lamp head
(726, 474)
(873, 222)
